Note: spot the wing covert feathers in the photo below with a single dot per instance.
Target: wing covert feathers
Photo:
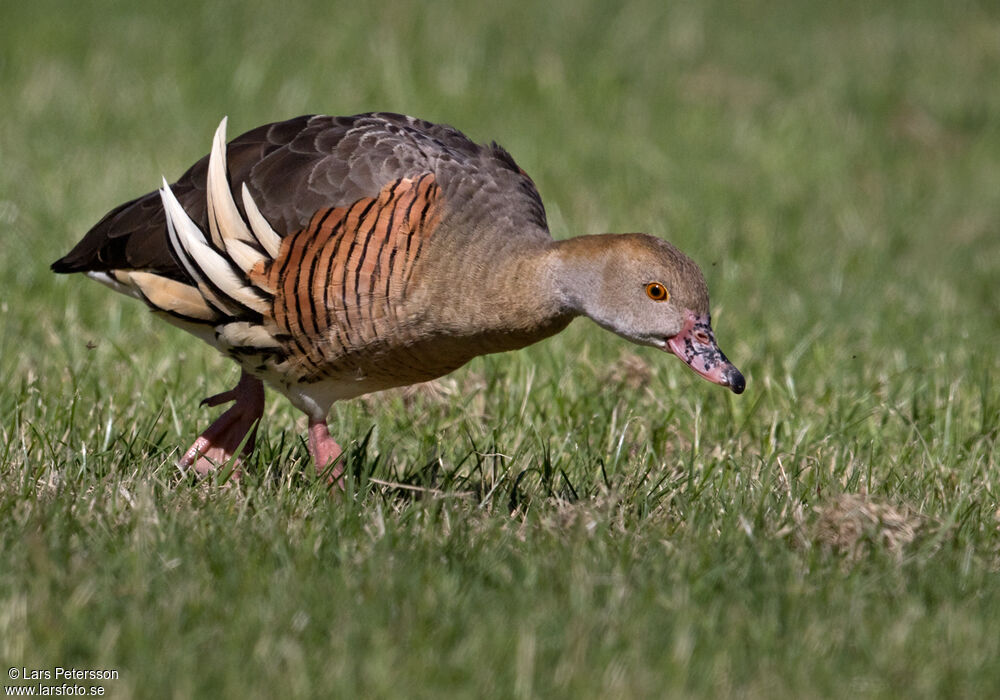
(218, 285)
(220, 270)
(327, 290)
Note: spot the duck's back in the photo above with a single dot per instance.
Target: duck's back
(297, 167)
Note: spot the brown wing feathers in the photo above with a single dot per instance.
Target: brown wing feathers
(317, 295)
(338, 280)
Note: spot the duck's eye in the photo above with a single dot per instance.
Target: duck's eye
(657, 292)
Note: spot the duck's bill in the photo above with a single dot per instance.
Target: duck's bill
(696, 345)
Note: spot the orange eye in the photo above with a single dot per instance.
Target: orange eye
(657, 292)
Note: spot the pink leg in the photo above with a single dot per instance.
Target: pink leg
(325, 451)
(218, 444)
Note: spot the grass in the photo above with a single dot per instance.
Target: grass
(580, 519)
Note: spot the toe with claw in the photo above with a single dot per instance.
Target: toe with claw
(237, 426)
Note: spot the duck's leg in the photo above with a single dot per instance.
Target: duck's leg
(325, 452)
(218, 444)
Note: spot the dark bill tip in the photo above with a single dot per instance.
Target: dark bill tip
(735, 380)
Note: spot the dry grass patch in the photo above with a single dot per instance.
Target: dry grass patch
(855, 524)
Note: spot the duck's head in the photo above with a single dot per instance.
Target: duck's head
(646, 290)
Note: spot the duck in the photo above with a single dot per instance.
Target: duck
(332, 257)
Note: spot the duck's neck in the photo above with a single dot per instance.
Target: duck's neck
(577, 271)
(505, 298)
(546, 281)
